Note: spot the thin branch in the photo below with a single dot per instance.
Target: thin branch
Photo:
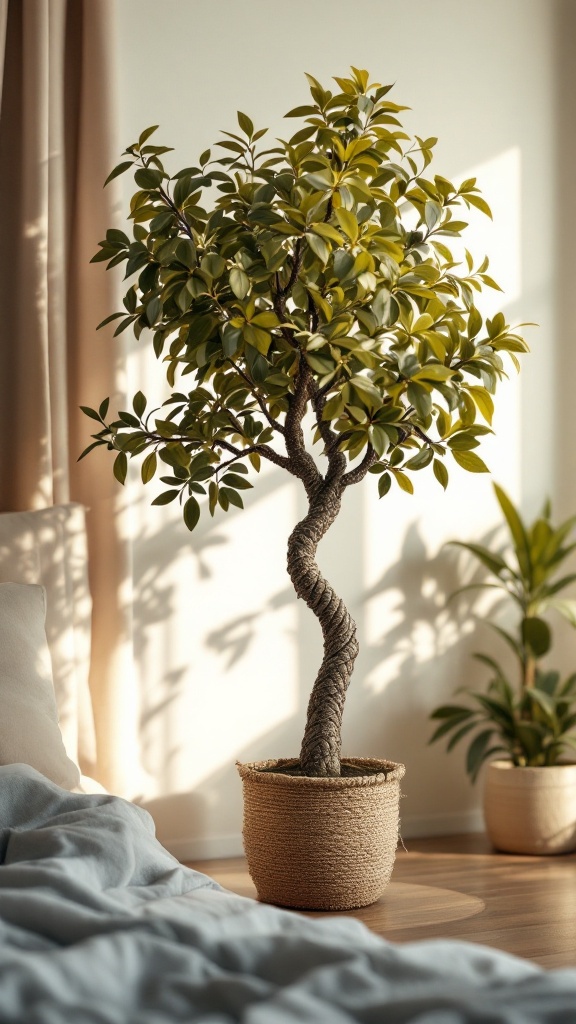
(313, 314)
(279, 301)
(422, 435)
(181, 219)
(275, 424)
(357, 474)
(297, 257)
(261, 449)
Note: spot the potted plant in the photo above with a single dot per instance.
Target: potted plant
(530, 795)
(315, 294)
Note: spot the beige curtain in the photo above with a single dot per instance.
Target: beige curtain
(58, 142)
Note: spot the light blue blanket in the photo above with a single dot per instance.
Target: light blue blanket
(100, 925)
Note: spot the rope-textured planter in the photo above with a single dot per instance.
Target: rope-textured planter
(321, 843)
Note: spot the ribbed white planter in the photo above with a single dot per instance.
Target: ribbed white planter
(531, 810)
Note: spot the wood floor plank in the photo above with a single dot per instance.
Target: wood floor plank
(459, 887)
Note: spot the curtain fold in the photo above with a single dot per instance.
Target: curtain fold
(58, 142)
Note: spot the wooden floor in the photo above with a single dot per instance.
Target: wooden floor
(459, 887)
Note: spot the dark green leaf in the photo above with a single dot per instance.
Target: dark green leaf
(119, 169)
(91, 413)
(166, 497)
(139, 404)
(233, 480)
(120, 467)
(191, 513)
(536, 635)
(477, 752)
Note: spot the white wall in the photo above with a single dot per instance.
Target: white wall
(226, 655)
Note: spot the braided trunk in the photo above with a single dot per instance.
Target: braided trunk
(320, 753)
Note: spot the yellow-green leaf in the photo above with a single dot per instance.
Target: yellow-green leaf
(440, 472)
(404, 482)
(347, 222)
(239, 282)
(484, 402)
(470, 461)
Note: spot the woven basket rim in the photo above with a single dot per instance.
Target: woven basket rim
(390, 772)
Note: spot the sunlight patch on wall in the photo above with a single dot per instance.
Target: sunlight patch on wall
(500, 183)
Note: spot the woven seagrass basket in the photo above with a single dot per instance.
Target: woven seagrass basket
(321, 843)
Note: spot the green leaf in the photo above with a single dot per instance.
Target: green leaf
(490, 559)
(239, 282)
(440, 472)
(517, 530)
(453, 723)
(109, 319)
(139, 404)
(302, 111)
(479, 203)
(451, 711)
(245, 124)
(348, 223)
(147, 178)
(212, 497)
(327, 231)
(384, 484)
(233, 480)
(319, 247)
(145, 135)
(148, 467)
(232, 496)
(120, 467)
(477, 752)
(460, 734)
(566, 608)
(545, 702)
(91, 413)
(510, 640)
(119, 169)
(404, 482)
(484, 402)
(470, 462)
(166, 497)
(191, 513)
(536, 635)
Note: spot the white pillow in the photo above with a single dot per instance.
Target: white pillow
(48, 546)
(29, 732)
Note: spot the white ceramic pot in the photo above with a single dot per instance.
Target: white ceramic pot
(531, 810)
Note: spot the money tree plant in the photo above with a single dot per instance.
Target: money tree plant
(305, 288)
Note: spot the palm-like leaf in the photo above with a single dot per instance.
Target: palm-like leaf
(534, 722)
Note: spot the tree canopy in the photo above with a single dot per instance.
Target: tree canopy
(316, 274)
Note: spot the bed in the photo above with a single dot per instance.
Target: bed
(99, 924)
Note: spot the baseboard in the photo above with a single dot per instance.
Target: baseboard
(219, 847)
(413, 826)
(205, 848)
